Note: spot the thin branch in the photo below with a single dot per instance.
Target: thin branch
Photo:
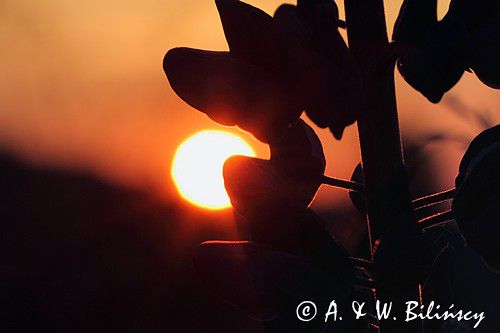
(436, 219)
(345, 184)
(361, 262)
(436, 225)
(433, 199)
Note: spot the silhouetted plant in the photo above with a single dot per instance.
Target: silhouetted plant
(296, 60)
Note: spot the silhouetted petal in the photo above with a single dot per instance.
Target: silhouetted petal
(300, 232)
(484, 140)
(299, 152)
(306, 52)
(330, 80)
(433, 55)
(271, 195)
(334, 97)
(244, 26)
(484, 52)
(267, 284)
(310, 9)
(439, 286)
(474, 13)
(231, 92)
(414, 20)
(320, 17)
(476, 204)
(287, 21)
(253, 36)
(289, 179)
(255, 184)
(435, 62)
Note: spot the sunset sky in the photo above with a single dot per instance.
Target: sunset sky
(82, 87)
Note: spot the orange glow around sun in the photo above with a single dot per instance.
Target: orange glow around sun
(197, 167)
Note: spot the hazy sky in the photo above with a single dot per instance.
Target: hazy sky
(82, 87)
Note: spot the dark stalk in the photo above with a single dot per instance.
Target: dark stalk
(381, 150)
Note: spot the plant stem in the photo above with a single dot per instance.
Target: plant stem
(381, 151)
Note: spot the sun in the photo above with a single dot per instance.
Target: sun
(197, 167)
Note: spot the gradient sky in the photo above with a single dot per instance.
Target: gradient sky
(82, 87)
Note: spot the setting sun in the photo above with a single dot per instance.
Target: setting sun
(197, 167)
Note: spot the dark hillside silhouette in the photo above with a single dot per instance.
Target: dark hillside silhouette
(78, 254)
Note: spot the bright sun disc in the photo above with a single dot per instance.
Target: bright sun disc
(197, 167)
